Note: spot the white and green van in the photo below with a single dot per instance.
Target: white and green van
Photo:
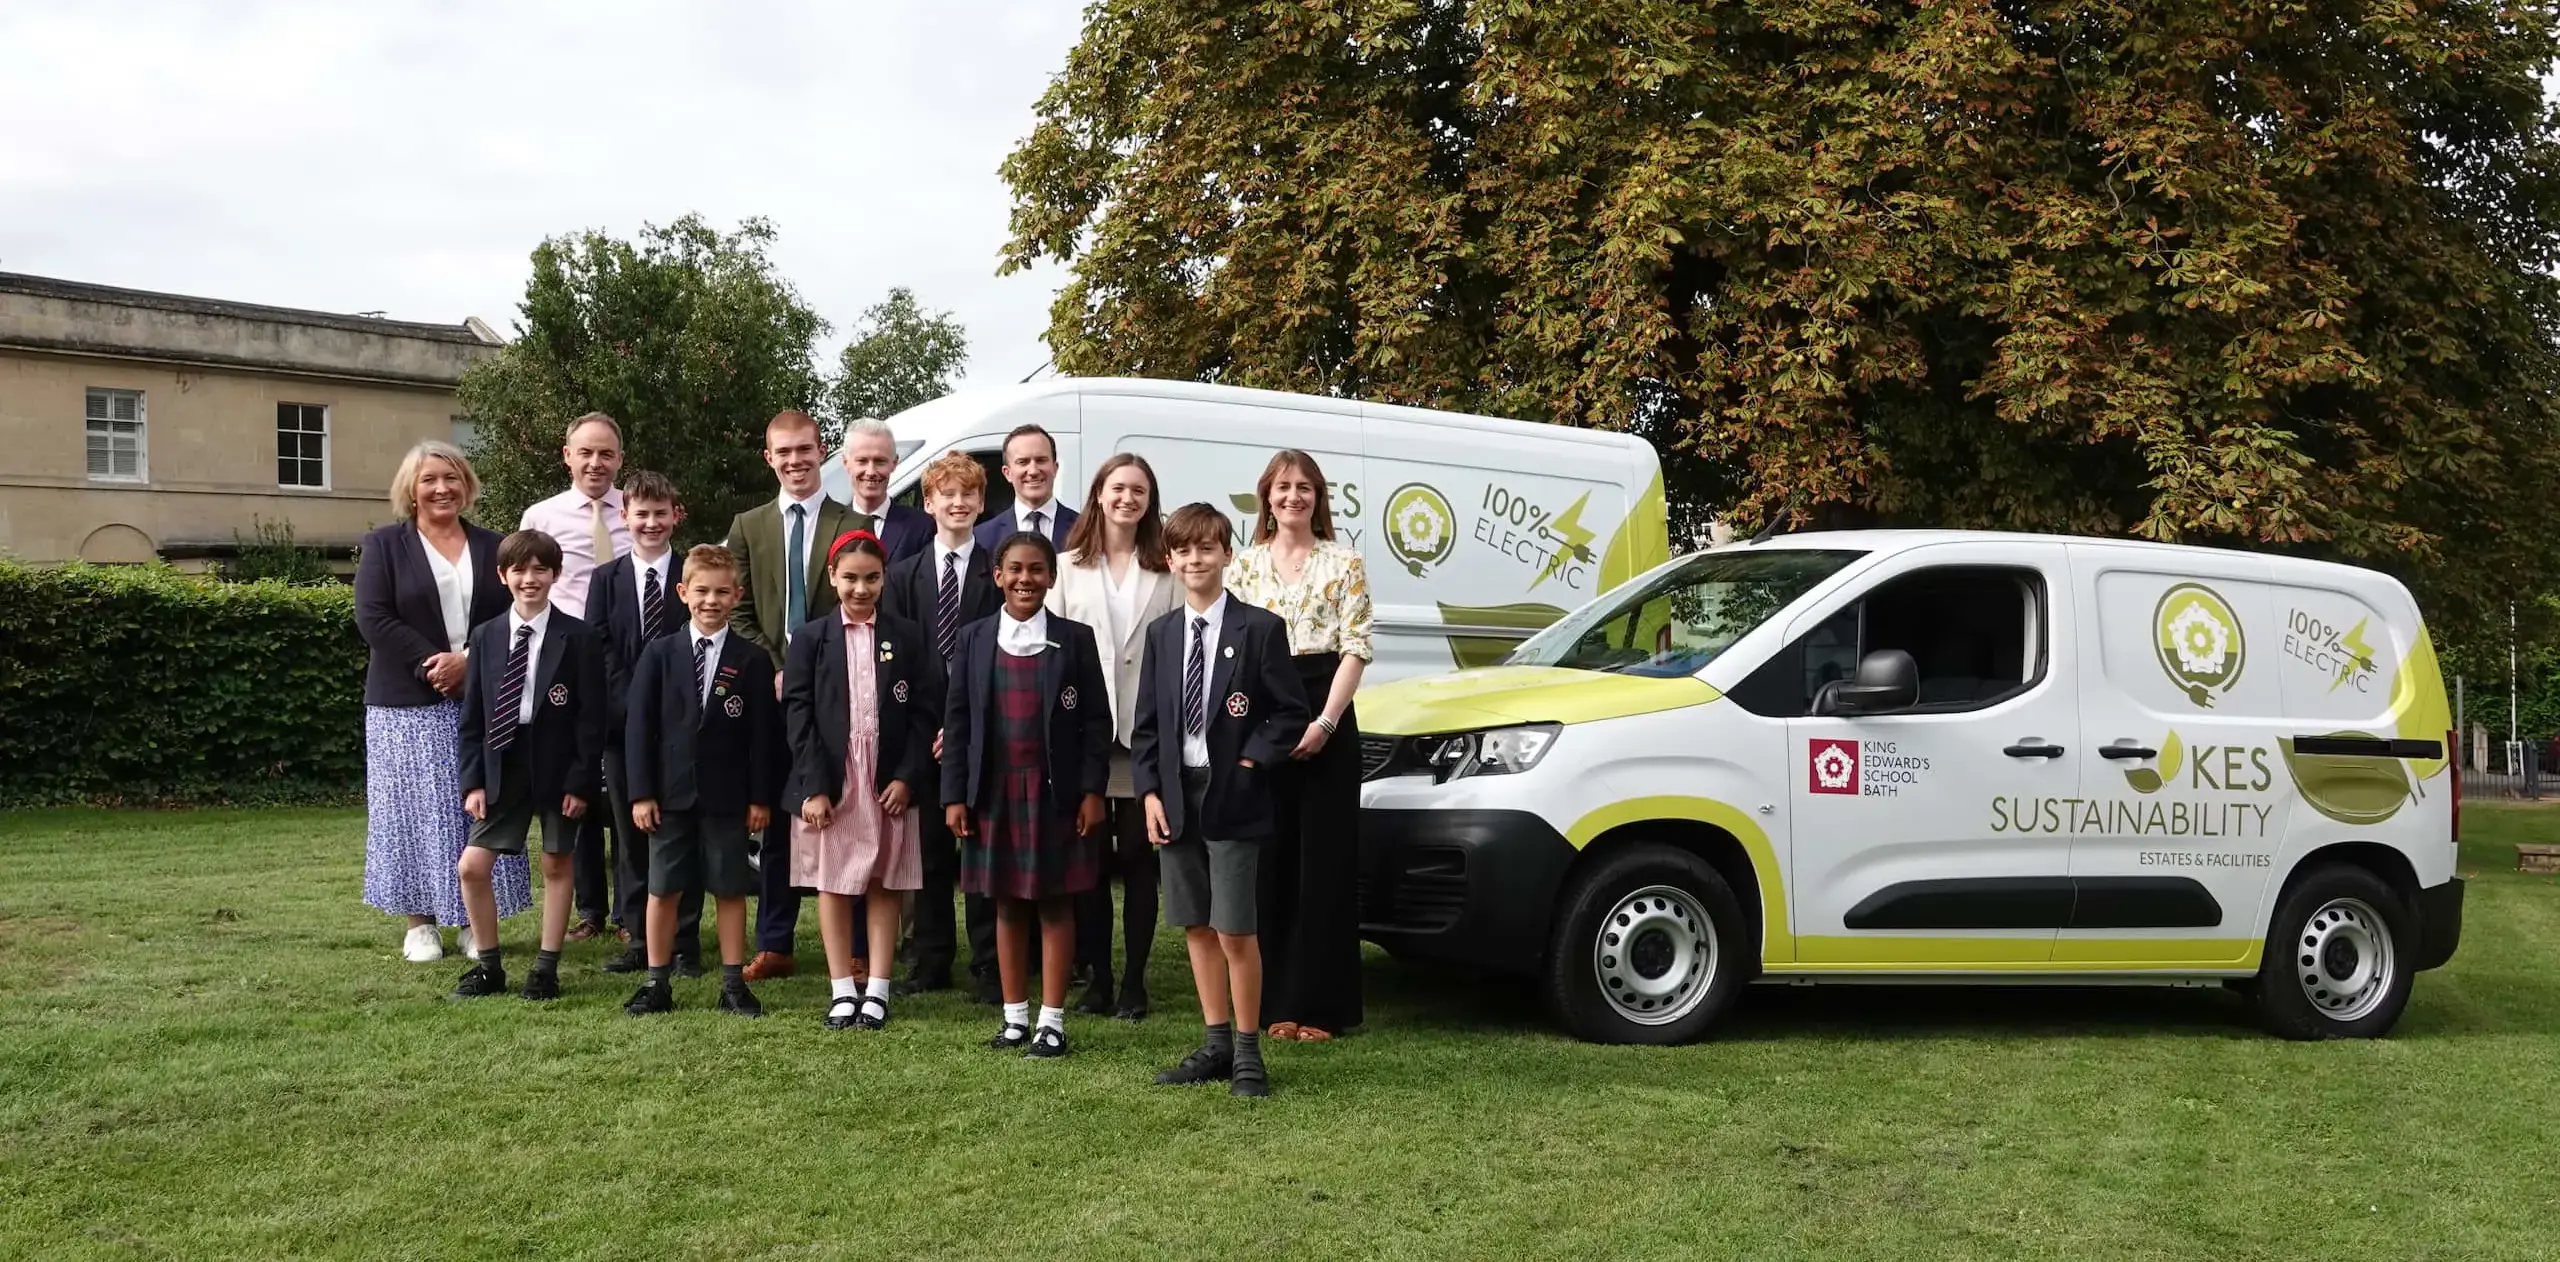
(1931, 755)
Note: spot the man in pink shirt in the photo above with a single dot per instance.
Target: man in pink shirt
(586, 518)
(587, 521)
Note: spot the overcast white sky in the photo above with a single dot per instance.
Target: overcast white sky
(406, 157)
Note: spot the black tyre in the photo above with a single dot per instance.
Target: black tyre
(1650, 946)
(2337, 964)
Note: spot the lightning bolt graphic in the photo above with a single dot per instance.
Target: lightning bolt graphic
(1577, 540)
(2363, 659)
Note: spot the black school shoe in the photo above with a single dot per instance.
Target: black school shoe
(740, 1000)
(1097, 997)
(843, 1014)
(542, 986)
(631, 960)
(1202, 1065)
(650, 998)
(1249, 1079)
(688, 966)
(1133, 1002)
(1011, 1038)
(481, 981)
(988, 990)
(873, 1014)
(1046, 1045)
(913, 985)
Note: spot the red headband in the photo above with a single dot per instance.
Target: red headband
(848, 537)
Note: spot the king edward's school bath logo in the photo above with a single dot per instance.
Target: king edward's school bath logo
(1834, 767)
(2200, 642)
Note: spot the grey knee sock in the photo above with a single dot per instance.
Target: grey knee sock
(1219, 1038)
(489, 960)
(658, 973)
(1249, 1048)
(546, 961)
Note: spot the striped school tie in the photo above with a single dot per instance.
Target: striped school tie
(502, 725)
(1195, 681)
(653, 607)
(701, 664)
(946, 607)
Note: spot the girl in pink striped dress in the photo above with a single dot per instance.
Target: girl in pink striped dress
(862, 694)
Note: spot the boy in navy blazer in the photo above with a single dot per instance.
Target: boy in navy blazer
(632, 602)
(1219, 708)
(703, 748)
(533, 727)
(946, 586)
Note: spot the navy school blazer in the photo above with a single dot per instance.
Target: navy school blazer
(817, 713)
(685, 756)
(402, 618)
(1004, 525)
(1257, 710)
(613, 613)
(1075, 725)
(563, 744)
(914, 590)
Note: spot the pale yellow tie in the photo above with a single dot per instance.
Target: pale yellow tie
(603, 542)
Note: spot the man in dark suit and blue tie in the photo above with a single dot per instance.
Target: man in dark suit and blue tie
(1031, 465)
(870, 456)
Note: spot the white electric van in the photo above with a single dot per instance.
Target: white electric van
(1476, 531)
(1931, 755)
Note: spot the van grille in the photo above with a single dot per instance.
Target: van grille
(1376, 754)
(1426, 896)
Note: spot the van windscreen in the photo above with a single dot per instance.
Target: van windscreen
(1681, 618)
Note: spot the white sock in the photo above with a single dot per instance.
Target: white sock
(845, 988)
(878, 989)
(1017, 1014)
(1053, 1019)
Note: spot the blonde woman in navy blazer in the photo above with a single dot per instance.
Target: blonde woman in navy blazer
(1112, 578)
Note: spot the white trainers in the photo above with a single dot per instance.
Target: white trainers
(424, 945)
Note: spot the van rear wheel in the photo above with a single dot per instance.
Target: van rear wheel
(1650, 947)
(2338, 956)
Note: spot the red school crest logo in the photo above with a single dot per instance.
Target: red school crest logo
(1237, 705)
(899, 690)
(1832, 767)
(735, 707)
(1067, 697)
(559, 694)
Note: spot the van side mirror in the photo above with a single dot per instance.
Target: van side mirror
(1888, 680)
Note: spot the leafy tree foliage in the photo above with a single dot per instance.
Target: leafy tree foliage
(900, 356)
(686, 336)
(2264, 272)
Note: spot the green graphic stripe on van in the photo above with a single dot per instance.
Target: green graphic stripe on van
(1902, 953)
(2418, 702)
(1471, 651)
(1777, 938)
(1494, 696)
(2352, 789)
(1643, 540)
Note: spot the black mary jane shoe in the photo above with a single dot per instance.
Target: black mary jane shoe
(1012, 1038)
(1202, 1065)
(1133, 1003)
(844, 1014)
(481, 981)
(542, 986)
(652, 997)
(871, 1014)
(1048, 1044)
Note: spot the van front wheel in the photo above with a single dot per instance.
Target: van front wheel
(2338, 954)
(1650, 947)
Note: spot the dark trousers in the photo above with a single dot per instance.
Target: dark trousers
(937, 937)
(589, 866)
(1132, 858)
(778, 902)
(631, 871)
(1310, 894)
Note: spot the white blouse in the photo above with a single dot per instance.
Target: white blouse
(1120, 600)
(453, 592)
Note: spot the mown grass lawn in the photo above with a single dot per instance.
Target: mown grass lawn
(209, 1048)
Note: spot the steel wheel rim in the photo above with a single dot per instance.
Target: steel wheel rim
(2344, 960)
(1655, 955)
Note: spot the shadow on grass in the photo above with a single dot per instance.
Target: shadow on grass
(1435, 997)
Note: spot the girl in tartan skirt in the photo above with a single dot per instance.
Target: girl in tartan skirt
(1026, 755)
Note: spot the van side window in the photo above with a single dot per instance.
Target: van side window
(1977, 634)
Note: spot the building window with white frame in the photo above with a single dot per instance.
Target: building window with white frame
(118, 451)
(302, 445)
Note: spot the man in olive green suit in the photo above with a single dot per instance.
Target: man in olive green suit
(782, 563)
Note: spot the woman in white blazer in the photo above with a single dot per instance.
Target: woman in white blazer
(1111, 577)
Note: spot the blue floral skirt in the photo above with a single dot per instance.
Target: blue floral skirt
(414, 825)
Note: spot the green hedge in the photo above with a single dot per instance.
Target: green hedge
(141, 685)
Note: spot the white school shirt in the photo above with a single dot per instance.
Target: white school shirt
(1195, 747)
(664, 567)
(710, 658)
(541, 625)
(1027, 638)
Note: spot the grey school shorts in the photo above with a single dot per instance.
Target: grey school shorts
(511, 816)
(693, 850)
(1209, 882)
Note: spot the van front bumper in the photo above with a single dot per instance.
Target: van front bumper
(2439, 923)
(1463, 886)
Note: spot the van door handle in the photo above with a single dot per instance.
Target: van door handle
(2126, 751)
(2036, 750)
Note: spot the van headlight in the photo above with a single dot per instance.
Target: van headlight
(1497, 751)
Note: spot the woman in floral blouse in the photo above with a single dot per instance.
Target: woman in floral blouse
(1310, 905)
